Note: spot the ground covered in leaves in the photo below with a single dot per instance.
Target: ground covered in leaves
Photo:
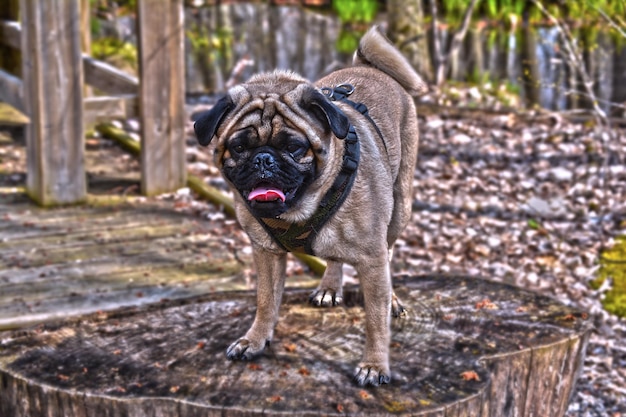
(527, 199)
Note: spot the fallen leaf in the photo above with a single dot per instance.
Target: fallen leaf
(290, 347)
(470, 376)
(486, 304)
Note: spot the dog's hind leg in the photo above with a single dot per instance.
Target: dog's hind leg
(397, 308)
(330, 291)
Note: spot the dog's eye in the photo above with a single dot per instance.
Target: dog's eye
(295, 148)
(239, 148)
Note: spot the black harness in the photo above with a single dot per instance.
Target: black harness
(299, 237)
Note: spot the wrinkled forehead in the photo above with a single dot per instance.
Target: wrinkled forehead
(268, 112)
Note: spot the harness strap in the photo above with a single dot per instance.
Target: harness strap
(341, 93)
(299, 237)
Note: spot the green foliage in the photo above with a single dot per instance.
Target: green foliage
(115, 51)
(492, 8)
(613, 266)
(508, 89)
(348, 41)
(356, 11)
(454, 9)
(478, 77)
(95, 26)
(123, 7)
(355, 16)
(582, 11)
(511, 7)
(211, 48)
(588, 10)
(534, 224)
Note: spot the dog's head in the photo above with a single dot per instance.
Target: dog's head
(274, 139)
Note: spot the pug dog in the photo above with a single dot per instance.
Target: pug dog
(324, 168)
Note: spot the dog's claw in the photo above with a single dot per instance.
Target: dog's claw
(242, 349)
(370, 375)
(325, 298)
(237, 351)
(397, 309)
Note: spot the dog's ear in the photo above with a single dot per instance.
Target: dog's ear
(206, 125)
(326, 112)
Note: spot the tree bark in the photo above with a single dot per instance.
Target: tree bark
(467, 347)
(408, 31)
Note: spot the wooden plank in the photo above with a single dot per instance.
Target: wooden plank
(104, 108)
(73, 260)
(96, 109)
(107, 78)
(98, 74)
(161, 98)
(85, 26)
(53, 98)
(11, 90)
(9, 115)
(85, 39)
(10, 33)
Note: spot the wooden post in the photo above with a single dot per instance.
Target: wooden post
(85, 32)
(53, 98)
(161, 101)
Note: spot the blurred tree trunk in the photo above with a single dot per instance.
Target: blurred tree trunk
(530, 66)
(407, 31)
(475, 64)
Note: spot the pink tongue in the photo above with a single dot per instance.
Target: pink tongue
(266, 194)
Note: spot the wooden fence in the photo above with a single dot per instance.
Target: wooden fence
(44, 67)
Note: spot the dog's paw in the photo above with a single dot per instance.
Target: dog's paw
(325, 297)
(244, 349)
(397, 309)
(369, 374)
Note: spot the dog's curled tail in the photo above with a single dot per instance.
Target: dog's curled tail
(377, 51)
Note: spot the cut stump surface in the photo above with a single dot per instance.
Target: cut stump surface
(468, 347)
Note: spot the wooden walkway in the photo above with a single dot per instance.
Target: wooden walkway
(56, 263)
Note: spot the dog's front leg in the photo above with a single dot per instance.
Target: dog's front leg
(376, 286)
(270, 284)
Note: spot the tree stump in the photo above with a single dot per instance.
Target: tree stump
(468, 347)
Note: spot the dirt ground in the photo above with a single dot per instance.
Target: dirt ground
(530, 201)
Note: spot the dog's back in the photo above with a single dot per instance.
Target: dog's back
(392, 108)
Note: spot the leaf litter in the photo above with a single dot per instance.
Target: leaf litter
(521, 200)
(529, 199)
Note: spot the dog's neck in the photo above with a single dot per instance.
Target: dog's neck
(300, 236)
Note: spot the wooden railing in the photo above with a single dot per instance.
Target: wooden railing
(49, 89)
